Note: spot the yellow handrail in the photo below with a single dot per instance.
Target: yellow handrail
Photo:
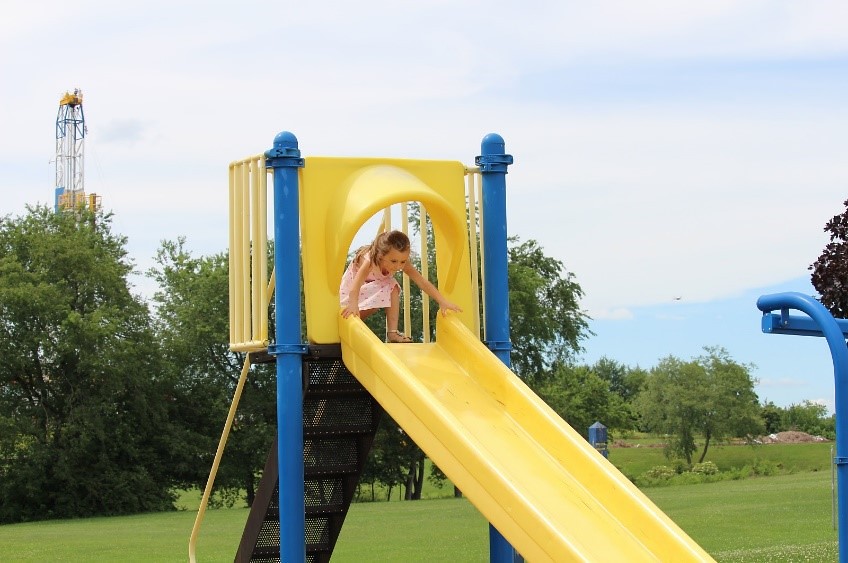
(242, 347)
(201, 511)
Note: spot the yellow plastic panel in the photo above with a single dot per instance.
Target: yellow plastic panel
(339, 195)
(551, 495)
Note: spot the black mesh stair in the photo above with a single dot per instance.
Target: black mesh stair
(339, 422)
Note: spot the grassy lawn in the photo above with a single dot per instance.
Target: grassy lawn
(434, 530)
(145, 537)
(781, 518)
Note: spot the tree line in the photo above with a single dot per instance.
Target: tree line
(110, 404)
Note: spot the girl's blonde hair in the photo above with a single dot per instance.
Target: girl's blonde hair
(382, 244)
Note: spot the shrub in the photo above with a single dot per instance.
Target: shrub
(679, 466)
(661, 472)
(764, 468)
(705, 468)
(656, 476)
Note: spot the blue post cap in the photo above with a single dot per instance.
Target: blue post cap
(493, 144)
(285, 144)
(493, 156)
(284, 153)
(598, 425)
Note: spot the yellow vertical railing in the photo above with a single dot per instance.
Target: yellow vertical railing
(425, 270)
(249, 284)
(233, 279)
(259, 234)
(243, 246)
(407, 313)
(473, 195)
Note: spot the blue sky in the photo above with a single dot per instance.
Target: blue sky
(661, 148)
(788, 369)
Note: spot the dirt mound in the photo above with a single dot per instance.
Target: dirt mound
(626, 444)
(790, 437)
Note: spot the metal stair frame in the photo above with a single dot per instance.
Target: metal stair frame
(340, 421)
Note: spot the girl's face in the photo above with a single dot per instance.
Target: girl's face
(393, 261)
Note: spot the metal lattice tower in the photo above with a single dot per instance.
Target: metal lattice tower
(70, 154)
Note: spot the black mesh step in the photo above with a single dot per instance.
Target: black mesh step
(325, 510)
(324, 455)
(330, 391)
(323, 492)
(339, 423)
(355, 411)
(338, 416)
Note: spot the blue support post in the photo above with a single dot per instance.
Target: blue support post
(289, 349)
(493, 164)
(832, 330)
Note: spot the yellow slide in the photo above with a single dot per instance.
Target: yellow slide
(547, 490)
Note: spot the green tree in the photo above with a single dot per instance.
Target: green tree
(670, 404)
(772, 416)
(711, 397)
(547, 324)
(731, 406)
(624, 381)
(192, 323)
(85, 430)
(582, 398)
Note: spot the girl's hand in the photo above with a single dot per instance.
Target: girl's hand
(445, 306)
(350, 310)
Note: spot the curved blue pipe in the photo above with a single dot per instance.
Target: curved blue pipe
(839, 352)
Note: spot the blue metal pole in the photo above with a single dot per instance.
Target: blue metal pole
(285, 159)
(839, 352)
(493, 164)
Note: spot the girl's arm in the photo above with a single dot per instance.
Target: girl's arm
(352, 307)
(430, 289)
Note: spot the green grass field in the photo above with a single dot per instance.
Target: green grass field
(780, 518)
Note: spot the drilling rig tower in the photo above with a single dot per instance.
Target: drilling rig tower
(70, 155)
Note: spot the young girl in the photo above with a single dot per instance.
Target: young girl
(369, 282)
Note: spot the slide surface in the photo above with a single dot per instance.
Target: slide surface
(550, 494)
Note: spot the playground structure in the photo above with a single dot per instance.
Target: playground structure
(819, 322)
(547, 493)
